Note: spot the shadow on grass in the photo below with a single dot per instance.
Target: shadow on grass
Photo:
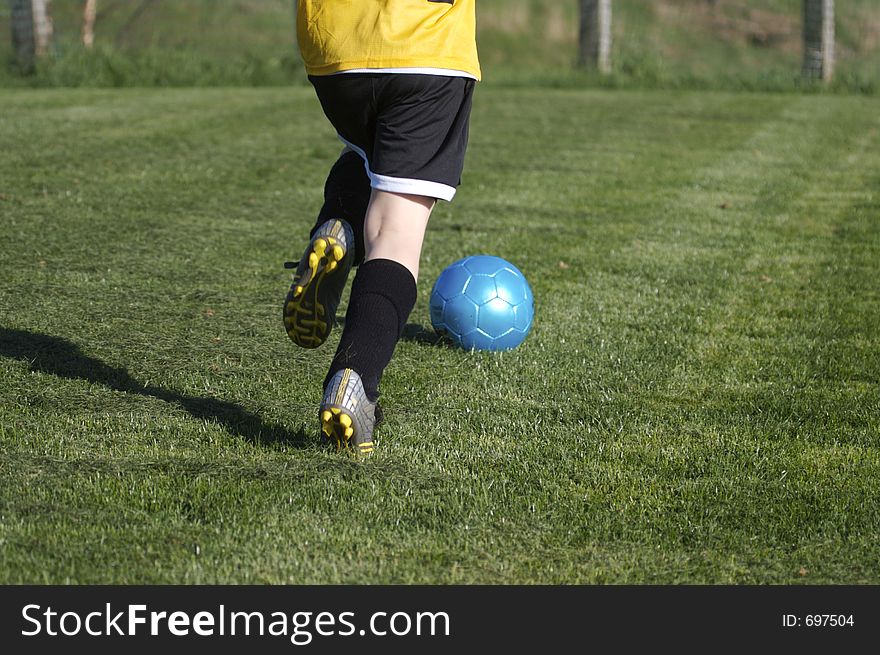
(412, 332)
(415, 333)
(63, 358)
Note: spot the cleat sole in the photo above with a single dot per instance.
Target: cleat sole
(321, 273)
(305, 317)
(346, 415)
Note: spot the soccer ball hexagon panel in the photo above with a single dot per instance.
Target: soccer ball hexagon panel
(482, 302)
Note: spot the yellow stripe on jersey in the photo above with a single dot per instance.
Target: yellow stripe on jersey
(340, 35)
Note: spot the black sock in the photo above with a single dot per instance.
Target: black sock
(346, 196)
(382, 296)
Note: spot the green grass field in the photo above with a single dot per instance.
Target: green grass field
(698, 402)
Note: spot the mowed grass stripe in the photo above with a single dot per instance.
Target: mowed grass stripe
(696, 261)
(580, 244)
(136, 289)
(752, 391)
(591, 454)
(151, 217)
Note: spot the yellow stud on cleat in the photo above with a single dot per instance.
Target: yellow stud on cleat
(338, 253)
(327, 416)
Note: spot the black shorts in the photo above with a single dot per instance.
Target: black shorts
(410, 129)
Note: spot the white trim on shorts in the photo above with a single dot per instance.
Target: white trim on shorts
(403, 184)
(443, 72)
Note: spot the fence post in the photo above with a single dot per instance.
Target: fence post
(31, 32)
(819, 39)
(595, 35)
(42, 27)
(23, 45)
(90, 12)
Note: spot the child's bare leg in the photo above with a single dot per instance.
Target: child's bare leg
(384, 290)
(395, 228)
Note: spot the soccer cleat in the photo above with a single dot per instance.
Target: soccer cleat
(310, 306)
(347, 416)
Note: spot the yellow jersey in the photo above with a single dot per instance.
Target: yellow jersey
(342, 35)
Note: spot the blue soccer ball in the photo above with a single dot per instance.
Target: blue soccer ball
(482, 303)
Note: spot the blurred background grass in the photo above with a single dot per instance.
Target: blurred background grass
(720, 44)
